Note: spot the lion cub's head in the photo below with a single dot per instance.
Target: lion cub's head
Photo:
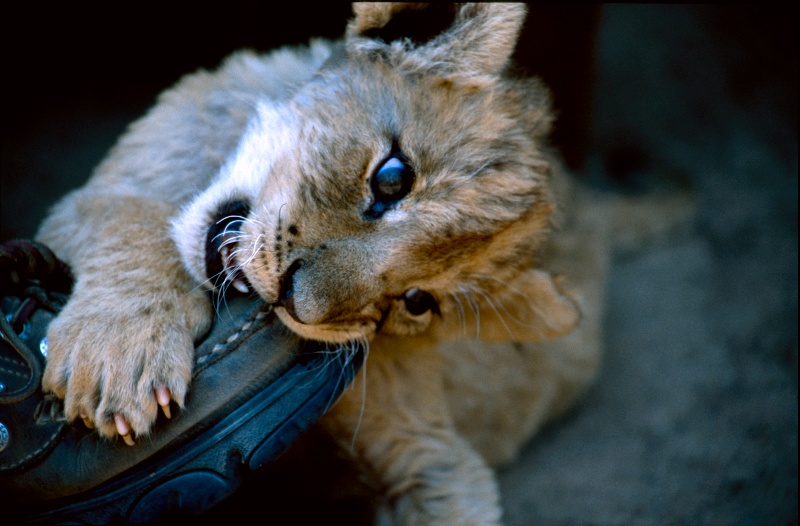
(407, 177)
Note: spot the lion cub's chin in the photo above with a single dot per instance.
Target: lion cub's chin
(394, 320)
(329, 332)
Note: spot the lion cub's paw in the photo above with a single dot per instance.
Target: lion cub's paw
(116, 362)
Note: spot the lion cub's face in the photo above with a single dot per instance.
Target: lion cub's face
(388, 189)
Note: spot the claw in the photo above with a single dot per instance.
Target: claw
(123, 429)
(163, 397)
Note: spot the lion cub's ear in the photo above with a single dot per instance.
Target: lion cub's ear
(444, 39)
(533, 309)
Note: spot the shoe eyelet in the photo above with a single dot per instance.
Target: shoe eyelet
(26, 327)
(5, 437)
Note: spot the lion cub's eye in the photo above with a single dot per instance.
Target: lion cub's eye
(390, 183)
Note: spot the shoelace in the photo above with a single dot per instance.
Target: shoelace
(31, 272)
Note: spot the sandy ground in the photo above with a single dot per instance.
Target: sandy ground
(694, 419)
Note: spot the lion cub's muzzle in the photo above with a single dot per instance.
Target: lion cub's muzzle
(331, 285)
(286, 294)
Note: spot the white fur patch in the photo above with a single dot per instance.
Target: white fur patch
(242, 177)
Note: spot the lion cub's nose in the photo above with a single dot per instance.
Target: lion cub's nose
(286, 296)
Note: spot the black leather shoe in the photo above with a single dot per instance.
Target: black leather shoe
(255, 388)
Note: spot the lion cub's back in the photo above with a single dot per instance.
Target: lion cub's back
(179, 146)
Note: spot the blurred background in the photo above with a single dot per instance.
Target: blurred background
(694, 417)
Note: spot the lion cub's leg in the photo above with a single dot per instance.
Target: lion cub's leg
(124, 343)
(501, 392)
(398, 426)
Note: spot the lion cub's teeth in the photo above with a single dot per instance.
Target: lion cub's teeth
(229, 264)
(239, 285)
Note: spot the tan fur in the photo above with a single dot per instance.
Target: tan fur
(298, 135)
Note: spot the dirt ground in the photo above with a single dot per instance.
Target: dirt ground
(694, 419)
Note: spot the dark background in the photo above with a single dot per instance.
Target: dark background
(694, 417)
(76, 76)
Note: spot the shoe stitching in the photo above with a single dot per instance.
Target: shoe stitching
(221, 348)
(13, 361)
(15, 373)
(34, 454)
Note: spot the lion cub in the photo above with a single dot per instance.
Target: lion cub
(396, 189)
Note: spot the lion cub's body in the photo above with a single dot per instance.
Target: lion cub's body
(296, 141)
